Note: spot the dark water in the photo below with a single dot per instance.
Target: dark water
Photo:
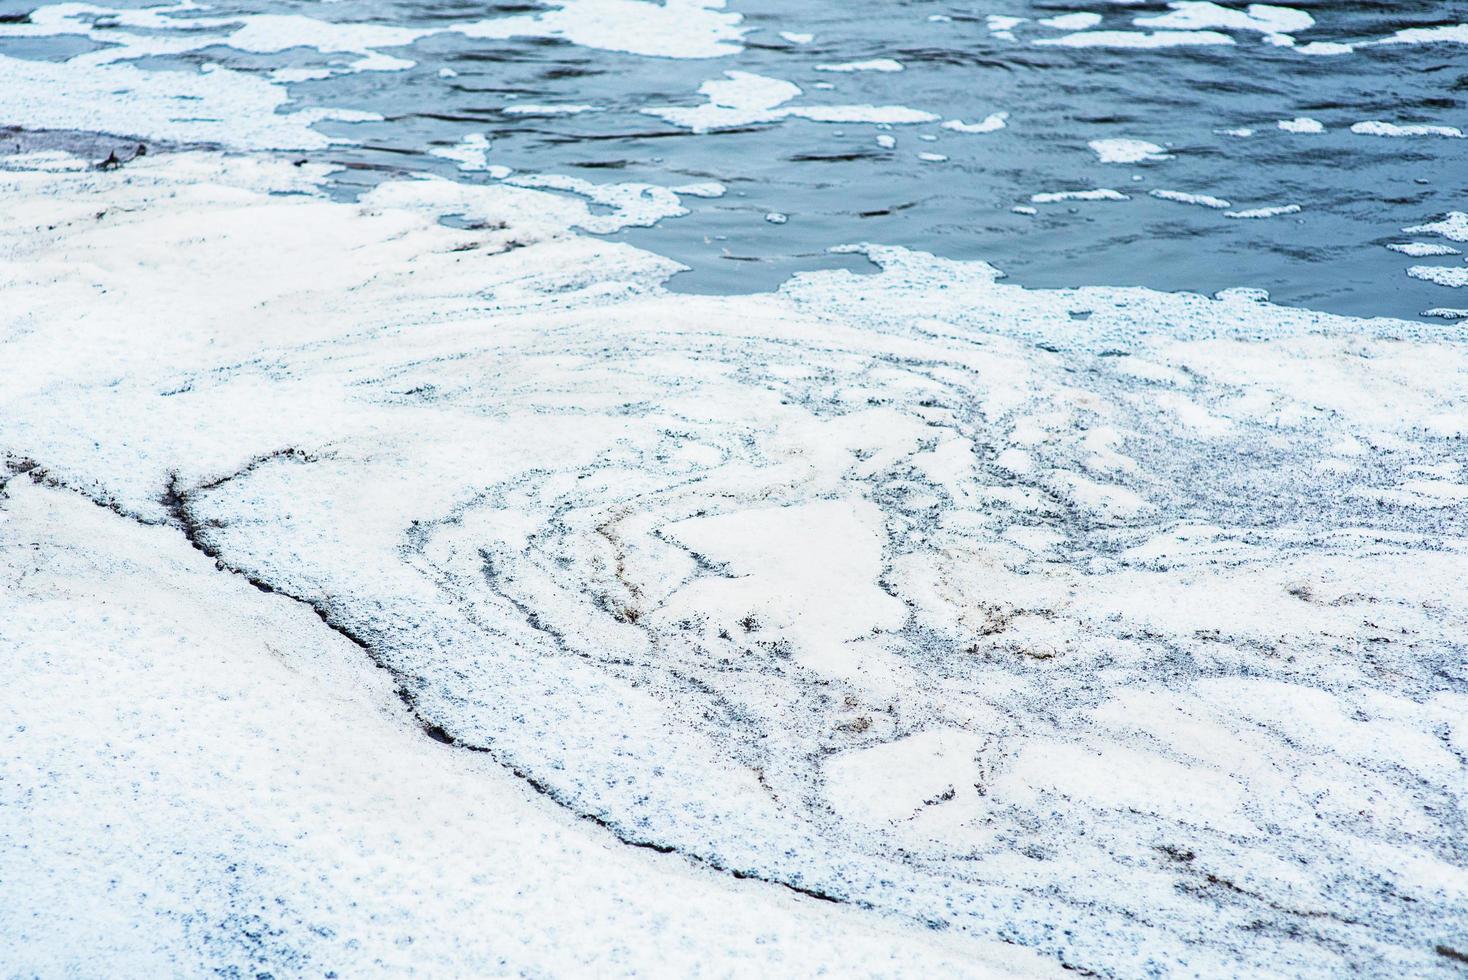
(836, 184)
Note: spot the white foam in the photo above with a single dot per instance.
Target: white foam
(1182, 197)
(1453, 226)
(1138, 39)
(932, 157)
(1128, 151)
(672, 29)
(1443, 34)
(689, 564)
(1266, 212)
(472, 155)
(1376, 127)
(886, 140)
(743, 98)
(1276, 23)
(991, 123)
(1002, 25)
(797, 38)
(1241, 132)
(1419, 250)
(1447, 313)
(1441, 275)
(631, 204)
(537, 109)
(221, 106)
(874, 64)
(704, 188)
(1301, 124)
(1079, 21)
(1098, 194)
(131, 34)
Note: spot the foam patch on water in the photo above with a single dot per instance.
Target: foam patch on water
(991, 123)
(1277, 24)
(671, 29)
(1376, 127)
(1138, 39)
(472, 155)
(1420, 250)
(131, 34)
(537, 109)
(874, 64)
(219, 106)
(1096, 194)
(1301, 124)
(1080, 21)
(1128, 151)
(1273, 211)
(1454, 227)
(983, 611)
(1182, 197)
(743, 98)
(1441, 275)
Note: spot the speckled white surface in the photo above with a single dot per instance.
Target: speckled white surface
(1098, 628)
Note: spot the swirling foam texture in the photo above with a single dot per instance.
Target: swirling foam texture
(1122, 626)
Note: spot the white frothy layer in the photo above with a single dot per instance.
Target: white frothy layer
(1121, 625)
(742, 98)
(1096, 194)
(1182, 197)
(1127, 151)
(216, 106)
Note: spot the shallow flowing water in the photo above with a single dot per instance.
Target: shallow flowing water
(1282, 148)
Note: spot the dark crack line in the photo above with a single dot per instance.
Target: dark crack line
(175, 500)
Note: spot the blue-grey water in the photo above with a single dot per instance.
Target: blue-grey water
(835, 183)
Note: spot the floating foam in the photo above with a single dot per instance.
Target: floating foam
(875, 64)
(1181, 197)
(1301, 124)
(797, 38)
(1098, 194)
(672, 29)
(1441, 275)
(472, 155)
(1453, 226)
(1193, 15)
(1138, 39)
(1420, 250)
(706, 188)
(1443, 34)
(225, 107)
(131, 34)
(631, 205)
(1267, 212)
(1002, 26)
(534, 109)
(991, 123)
(1079, 21)
(699, 567)
(742, 98)
(1128, 151)
(1377, 128)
